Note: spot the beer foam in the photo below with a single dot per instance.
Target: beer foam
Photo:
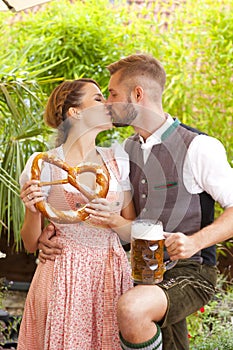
(147, 231)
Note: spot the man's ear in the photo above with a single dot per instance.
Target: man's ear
(138, 93)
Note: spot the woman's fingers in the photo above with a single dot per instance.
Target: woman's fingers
(30, 204)
(102, 204)
(98, 212)
(33, 197)
(30, 190)
(31, 194)
(99, 207)
(28, 184)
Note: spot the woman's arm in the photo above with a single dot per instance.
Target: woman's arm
(31, 230)
(32, 225)
(102, 210)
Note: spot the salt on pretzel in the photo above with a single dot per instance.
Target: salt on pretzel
(70, 216)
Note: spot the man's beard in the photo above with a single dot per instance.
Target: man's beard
(123, 113)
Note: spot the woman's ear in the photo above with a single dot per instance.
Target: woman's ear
(72, 111)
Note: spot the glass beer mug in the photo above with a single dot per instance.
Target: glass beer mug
(147, 252)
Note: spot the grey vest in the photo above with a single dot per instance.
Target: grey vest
(158, 188)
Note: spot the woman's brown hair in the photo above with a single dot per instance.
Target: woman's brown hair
(67, 94)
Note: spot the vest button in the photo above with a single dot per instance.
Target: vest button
(144, 210)
(144, 195)
(143, 181)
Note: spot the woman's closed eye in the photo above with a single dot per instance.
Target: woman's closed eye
(99, 98)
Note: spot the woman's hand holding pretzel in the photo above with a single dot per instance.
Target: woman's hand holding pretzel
(103, 212)
(100, 209)
(31, 194)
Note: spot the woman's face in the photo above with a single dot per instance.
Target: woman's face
(92, 96)
(92, 108)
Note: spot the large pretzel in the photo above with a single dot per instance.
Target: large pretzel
(70, 216)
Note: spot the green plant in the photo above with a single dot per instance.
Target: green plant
(2, 288)
(9, 332)
(9, 325)
(192, 39)
(212, 329)
(226, 248)
(22, 132)
(200, 45)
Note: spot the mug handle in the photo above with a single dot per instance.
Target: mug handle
(168, 265)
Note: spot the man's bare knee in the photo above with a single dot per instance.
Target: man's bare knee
(142, 302)
(138, 311)
(126, 308)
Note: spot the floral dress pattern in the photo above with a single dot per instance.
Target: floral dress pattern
(71, 303)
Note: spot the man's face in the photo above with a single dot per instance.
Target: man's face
(118, 91)
(119, 102)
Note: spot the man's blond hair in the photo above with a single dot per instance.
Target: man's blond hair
(139, 66)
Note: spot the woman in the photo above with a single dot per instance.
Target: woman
(71, 303)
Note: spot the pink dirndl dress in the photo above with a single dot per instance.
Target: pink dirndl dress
(72, 302)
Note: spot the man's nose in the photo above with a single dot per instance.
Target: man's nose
(109, 99)
(108, 104)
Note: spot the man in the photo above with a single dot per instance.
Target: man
(176, 175)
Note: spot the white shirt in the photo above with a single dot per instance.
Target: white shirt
(206, 167)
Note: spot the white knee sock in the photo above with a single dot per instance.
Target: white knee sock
(154, 343)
